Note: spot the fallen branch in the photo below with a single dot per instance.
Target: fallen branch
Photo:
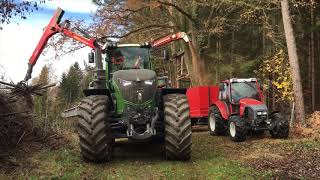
(22, 88)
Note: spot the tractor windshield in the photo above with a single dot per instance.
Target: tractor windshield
(240, 90)
(123, 58)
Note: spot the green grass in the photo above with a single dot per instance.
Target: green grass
(209, 161)
(63, 164)
(303, 144)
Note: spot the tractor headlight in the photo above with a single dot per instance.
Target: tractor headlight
(262, 113)
(149, 82)
(124, 82)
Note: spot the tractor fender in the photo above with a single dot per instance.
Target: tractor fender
(90, 92)
(223, 108)
(239, 121)
(161, 92)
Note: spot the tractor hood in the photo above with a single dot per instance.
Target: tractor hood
(136, 85)
(254, 106)
(135, 75)
(250, 101)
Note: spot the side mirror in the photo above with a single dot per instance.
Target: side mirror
(91, 57)
(166, 55)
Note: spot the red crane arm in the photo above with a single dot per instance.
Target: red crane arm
(174, 37)
(88, 42)
(52, 28)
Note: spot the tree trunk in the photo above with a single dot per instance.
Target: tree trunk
(309, 82)
(318, 65)
(293, 59)
(194, 62)
(312, 58)
(232, 54)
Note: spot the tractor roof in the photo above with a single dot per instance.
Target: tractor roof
(128, 45)
(115, 45)
(240, 80)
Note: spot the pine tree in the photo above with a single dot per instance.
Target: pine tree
(70, 85)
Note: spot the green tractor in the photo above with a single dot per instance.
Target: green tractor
(124, 99)
(132, 106)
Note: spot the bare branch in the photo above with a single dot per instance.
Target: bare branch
(178, 9)
(138, 30)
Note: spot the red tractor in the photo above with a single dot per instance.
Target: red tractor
(236, 106)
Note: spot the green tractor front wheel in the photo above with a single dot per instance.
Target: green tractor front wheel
(177, 127)
(93, 128)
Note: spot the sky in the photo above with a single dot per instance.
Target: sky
(18, 40)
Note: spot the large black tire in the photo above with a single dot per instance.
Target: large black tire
(237, 129)
(279, 126)
(177, 127)
(216, 124)
(93, 129)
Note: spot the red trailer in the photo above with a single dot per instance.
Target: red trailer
(200, 98)
(235, 106)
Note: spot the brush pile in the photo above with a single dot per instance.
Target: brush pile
(16, 113)
(312, 129)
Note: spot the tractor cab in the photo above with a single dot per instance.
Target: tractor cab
(127, 56)
(237, 93)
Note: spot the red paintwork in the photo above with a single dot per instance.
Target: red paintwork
(214, 94)
(224, 110)
(202, 97)
(88, 42)
(165, 40)
(198, 101)
(248, 101)
(52, 28)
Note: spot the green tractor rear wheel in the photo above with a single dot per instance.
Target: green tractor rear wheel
(93, 129)
(177, 127)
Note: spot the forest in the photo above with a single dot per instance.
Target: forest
(231, 38)
(277, 42)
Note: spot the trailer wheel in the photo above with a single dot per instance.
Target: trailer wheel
(279, 126)
(93, 129)
(177, 127)
(216, 123)
(237, 129)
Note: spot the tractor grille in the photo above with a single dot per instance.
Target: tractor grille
(132, 84)
(131, 92)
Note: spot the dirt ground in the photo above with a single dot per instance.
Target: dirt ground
(213, 157)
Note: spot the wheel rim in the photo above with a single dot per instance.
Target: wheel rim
(212, 122)
(232, 129)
